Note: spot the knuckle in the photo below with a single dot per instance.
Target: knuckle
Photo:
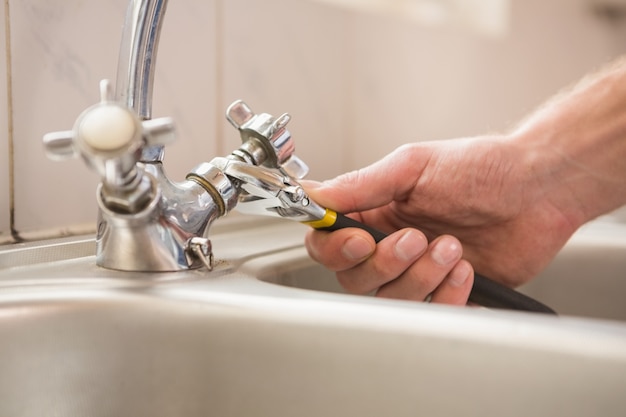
(352, 284)
(427, 281)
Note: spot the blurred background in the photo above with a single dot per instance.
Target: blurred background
(359, 77)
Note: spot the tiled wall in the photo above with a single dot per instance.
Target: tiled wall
(357, 85)
(4, 141)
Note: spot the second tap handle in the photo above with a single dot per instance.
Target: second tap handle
(266, 139)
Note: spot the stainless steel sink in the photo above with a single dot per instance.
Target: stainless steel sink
(78, 340)
(586, 279)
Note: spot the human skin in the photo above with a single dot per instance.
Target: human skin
(503, 205)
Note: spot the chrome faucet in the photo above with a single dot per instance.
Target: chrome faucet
(137, 61)
(147, 222)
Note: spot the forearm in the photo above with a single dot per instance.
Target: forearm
(576, 146)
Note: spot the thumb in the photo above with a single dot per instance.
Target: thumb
(376, 185)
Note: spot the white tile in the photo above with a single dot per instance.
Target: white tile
(288, 56)
(4, 138)
(186, 83)
(61, 50)
(412, 83)
(357, 86)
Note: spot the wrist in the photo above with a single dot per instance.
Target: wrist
(575, 147)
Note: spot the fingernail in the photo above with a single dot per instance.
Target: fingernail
(310, 184)
(459, 274)
(410, 245)
(446, 251)
(357, 248)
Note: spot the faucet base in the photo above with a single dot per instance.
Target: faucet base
(146, 241)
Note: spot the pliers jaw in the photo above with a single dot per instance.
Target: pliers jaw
(266, 168)
(269, 192)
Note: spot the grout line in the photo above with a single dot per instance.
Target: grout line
(349, 144)
(9, 83)
(219, 77)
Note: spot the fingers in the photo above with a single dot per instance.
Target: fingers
(340, 250)
(402, 266)
(439, 272)
(393, 255)
(456, 287)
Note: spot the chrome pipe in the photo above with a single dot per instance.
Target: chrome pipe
(137, 58)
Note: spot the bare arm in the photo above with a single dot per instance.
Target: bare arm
(512, 200)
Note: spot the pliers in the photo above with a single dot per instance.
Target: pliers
(271, 192)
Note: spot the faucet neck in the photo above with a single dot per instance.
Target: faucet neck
(137, 59)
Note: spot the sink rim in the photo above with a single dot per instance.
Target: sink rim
(248, 296)
(94, 303)
(240, 281)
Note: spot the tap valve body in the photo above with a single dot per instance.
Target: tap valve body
(110, 138)
(147, 222)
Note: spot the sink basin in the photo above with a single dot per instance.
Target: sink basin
(79, 340)
(586, 279)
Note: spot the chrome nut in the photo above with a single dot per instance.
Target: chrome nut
(131, 199)
(211, 177)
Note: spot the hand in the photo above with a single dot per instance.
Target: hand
(476, 189)
(512, 200)
(403, 265)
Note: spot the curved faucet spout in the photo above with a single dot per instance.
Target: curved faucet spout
(137, 59)
(147, 222)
